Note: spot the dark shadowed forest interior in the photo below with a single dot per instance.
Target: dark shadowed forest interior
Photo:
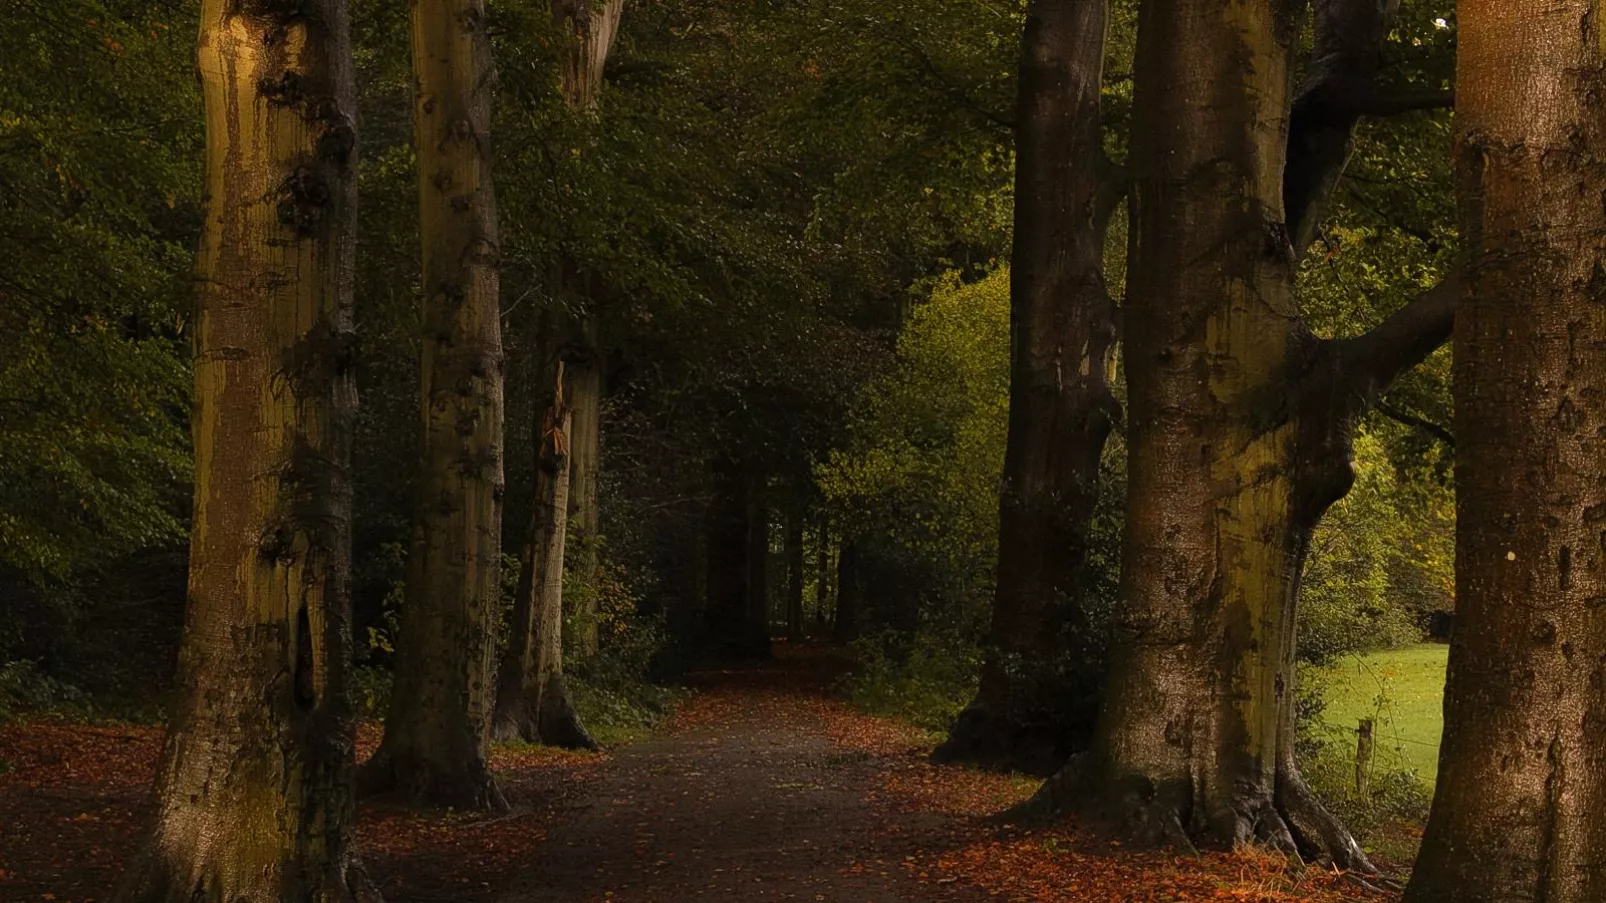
(550, 451)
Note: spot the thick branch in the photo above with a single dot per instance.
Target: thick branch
(1343, 70)
(1370, 363)
(1382, 102)
(1406, 418)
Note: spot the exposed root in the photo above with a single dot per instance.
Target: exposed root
(989, 740)
(559, 723)
(416, 782)
(1319, 835)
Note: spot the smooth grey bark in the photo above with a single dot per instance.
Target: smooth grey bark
(253, 796)
(436, 747)
(1031, 709)
(1519, 810)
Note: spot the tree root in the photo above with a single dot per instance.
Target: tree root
(417, 782)
(1288, 819)
(994, 742)
(551, 722)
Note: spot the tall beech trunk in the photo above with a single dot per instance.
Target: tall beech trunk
(822, 573)
(584, 367)
(1520, 808)
(532, 700)
(794, 575)
(1240, 423)
(1029, 711)
(254, 799)
(437, 732)
(589, 27)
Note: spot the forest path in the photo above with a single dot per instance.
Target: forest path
(762, 788)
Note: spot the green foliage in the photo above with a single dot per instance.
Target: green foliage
(926, 681)
(924, 454)
(1368, 558)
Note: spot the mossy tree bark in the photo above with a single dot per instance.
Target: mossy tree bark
(1030, 709)
(437, 732)
(532, 699)
(1240, 423)
(1519, 813)
(254, 799)
(588, 28)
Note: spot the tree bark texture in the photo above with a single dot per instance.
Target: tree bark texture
(532, 699)
(588, 28)
(437, 732)
(1519, 813)
(584, 368)
(1031, 709)
(254, 800)
(794, 575)
(1240, 424)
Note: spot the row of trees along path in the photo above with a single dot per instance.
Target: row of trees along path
(1239, 423)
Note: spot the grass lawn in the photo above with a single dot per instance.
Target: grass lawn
(1402, 689)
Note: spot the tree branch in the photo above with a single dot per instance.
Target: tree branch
(959, 94)
(1435, 430)
(1370, 363)
(1343, 69)
(1394, 103)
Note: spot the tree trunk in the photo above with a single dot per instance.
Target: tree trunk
(822, 575)
(589, 28)
(849, 591)
(794, 576)
(254, 799)
(1239, 428)
(584, 366)
(437, 732)
(1031, 709)
(1520, 808)
(532, 700)
(757, 625)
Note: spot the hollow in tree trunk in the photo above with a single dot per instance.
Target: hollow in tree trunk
(532, 699)
(1519, 811)
(254, 798)
(1038, 689)
(437, 733)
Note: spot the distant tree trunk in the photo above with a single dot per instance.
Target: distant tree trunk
(254, 787)
(726, 560)
(532, 700)
(585, 448)
(1519, 813)
(794, 575)
(849, 591)
(590, 27)
(437, 732)
(1240, 422)
(1032, 708)
(822, 575)
(757, 626)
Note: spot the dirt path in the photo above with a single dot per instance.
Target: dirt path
(746, 797)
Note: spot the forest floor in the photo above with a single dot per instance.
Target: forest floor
(762, 787)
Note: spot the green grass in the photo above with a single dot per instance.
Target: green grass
(1404, 691)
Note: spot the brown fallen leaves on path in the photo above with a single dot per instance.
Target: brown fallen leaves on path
(761, 787)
